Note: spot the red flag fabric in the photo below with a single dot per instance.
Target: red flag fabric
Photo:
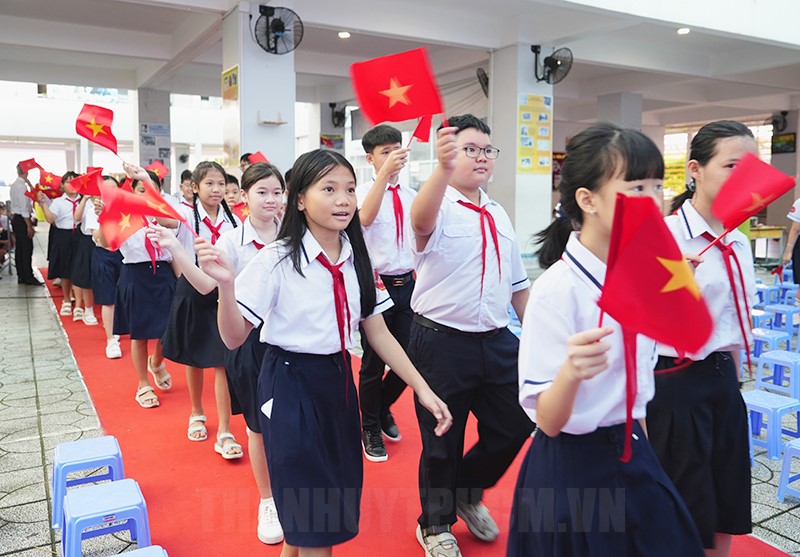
(256, 157)
(127, 184)
(94, 123)
(50, 180)
(649, 286)
(650, 289)
(89, 183)
(423, 130)
(31, 195)
(396, 87)
(751, 186)
(241, 210)
(28, 164)
(159, 168)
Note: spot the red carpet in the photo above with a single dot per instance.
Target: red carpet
(200, 504)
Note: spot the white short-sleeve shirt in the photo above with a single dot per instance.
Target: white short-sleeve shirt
(688, 226)
(794, 211)
(184, 234)
(64, 209)
(239, 244)
(298, 312)
(381, 236)
(448, 288)
(89, 221)
(133, 250)
(563, 302)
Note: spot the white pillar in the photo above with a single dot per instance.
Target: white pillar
(85, 155)
(259, 111)
(521, 118)
(624, 109)
(153, 135)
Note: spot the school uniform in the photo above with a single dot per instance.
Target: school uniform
(632, 507)
(461, 345)
(143, 292)
(82, 262)
(388, 240)
(64, 237)
(697, 421)
(243, 364)
(309, 406)
(794, 215)
(192, 336)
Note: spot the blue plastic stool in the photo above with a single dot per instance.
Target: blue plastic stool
(792, 450)
(787, 275)
(761, 319)
(766, 294)
(783, 316)
(119, 502)
(750, 441)
(79, 456)
(787, 292)
(149, 551)
(774, 406)
(769, 339)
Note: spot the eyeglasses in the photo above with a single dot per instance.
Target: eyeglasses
(472, 152)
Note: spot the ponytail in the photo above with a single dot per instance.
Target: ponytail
(553, 241)
(228, 212)
(679, 200)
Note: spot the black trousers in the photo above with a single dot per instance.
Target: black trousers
(475, 374)
(796, 263)
(377, 392)
(23, 255)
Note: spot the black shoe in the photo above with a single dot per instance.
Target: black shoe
(389, 428)
(374, 449)
(31, 282)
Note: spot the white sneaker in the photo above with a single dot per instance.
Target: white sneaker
(89, 317)
(115, 337)
(478, 520)
(439, 545)
(77, 314)
(66, 309)
(57, 282)
(269, 527)
(113, 350)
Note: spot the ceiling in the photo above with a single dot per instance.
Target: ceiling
(176, 45)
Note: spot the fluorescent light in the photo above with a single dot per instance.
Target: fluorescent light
(344, 35)
(684, 31)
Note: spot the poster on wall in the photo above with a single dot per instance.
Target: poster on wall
(332, 141)
(230, 115)
(155, 144)
(534, 127)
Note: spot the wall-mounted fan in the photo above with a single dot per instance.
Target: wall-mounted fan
(278, 30)
(483, 79)
(338, 117)
(778, 121)
(555, 67)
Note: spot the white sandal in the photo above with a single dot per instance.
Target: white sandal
(165, 381)
(223, 450)
(197, 428)
(141, 396)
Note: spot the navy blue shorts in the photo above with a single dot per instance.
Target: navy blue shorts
(575, 497)
(142, 297)
(106, 267)
(313, 442)
(82, 262)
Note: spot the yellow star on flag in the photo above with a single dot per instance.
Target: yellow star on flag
(157, 206)
(125, 222)
(96, 128)
(48, 178)
(246, 212)
(682, 276)
(759, 202)
(396, 92)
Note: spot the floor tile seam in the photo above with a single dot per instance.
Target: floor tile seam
(3, 508)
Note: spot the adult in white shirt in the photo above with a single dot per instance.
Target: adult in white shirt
(21, 209)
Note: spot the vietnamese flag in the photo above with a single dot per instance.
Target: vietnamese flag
(28, 165)
(649, 289)
(751, 186)
(241, 210)
(257, 157)
(50, 180)
(94, 123)
(117, 223)
(423, 130)
(159, 168)
(89, 183)
(396, 87)
(127, 184)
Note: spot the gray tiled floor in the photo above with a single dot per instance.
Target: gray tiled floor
(44, 402)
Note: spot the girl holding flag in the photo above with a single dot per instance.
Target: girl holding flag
(698, 421)
(573, 381)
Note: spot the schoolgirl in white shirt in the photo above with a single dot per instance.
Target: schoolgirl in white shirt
(310, 289)
(60, 213)
(698, 420)
(263, 185)
(82, 262)
(192, 337)
(573, 383)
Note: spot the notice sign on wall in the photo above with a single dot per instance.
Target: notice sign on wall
(535, 137)
(154, 144)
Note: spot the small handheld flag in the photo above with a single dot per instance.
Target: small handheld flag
(94, 123)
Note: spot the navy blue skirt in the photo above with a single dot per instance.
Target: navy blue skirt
(242, 367)
(106, 267)
(192, 335)
(62, 252)
(82, 262)
(141, 299)
(575, 497)
(313, 441)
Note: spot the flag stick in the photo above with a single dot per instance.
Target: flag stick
(716, 241)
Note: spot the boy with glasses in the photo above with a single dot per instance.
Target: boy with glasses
(469, 269)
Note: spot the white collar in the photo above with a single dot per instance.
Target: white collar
(694, 225)
(585, 264)
(455, 196)
(312, 249)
